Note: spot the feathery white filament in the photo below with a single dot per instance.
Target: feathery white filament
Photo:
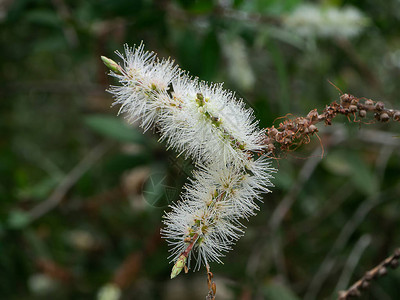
(211, 126)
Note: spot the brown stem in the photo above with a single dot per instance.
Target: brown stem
(378, 271)
(68, 181)
(212, 288)
(190, 247)
(293, 132)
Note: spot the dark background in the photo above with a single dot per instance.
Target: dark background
(82, 193)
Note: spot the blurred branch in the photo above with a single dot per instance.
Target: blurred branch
(69, 180)
(364, 208)
(65, 15)
(363, 68)
(128, 271)
(379, 137)
(353, 260)
(289, 199)
(284, 206)
(248, 17)
(380, 270)
(34, 154)
(223, 12)
(332, 204)
(54, 270)
(53, 86)
(348, 229)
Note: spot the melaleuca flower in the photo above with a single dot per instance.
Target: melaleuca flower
(326, 21)
(144, 85)
(211, 208)
(218, 132)
(210, 123)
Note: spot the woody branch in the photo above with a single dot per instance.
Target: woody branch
(293, 132)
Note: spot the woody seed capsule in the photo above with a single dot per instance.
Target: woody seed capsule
(384, 117)
(396, 116)
(313, 128)
(394, 264)
(365, 284)
(379, 106)
(353, 108)
(382, 271)
(344, 99)
(369, 102)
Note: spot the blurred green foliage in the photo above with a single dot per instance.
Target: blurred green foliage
(105, 225)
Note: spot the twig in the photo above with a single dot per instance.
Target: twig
(351, 225)
(128, 271)
(293, 132)
(212, 288)
(285, 205)
(378, 271)
(379, 137)
(352, 261)
(333, 203)
(288, 201)
(359, 63)
(65, 15)
(54, 270)
(69, 180)
(348, 229)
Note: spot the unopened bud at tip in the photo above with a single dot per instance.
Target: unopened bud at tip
(112, 65)
(177, 268)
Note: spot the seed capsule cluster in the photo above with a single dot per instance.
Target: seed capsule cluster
(292, 132)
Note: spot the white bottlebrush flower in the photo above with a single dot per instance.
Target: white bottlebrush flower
(155, 91)
(211, 123)
(211, 226)
(310, 20)
(211, 126)
(144, 85)
(212, 206)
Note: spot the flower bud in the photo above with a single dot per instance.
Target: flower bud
(177, 268)
(112, 65)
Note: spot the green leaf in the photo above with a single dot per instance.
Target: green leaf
(210, 52)
(197, 7)
(115, 128)
(45, 17)
(117, 164)
(283, 76)
(347, 163)
(276, 291)
(337, 163)
(39, 190)
(362, 177)
(285, 178)
(18, 219)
